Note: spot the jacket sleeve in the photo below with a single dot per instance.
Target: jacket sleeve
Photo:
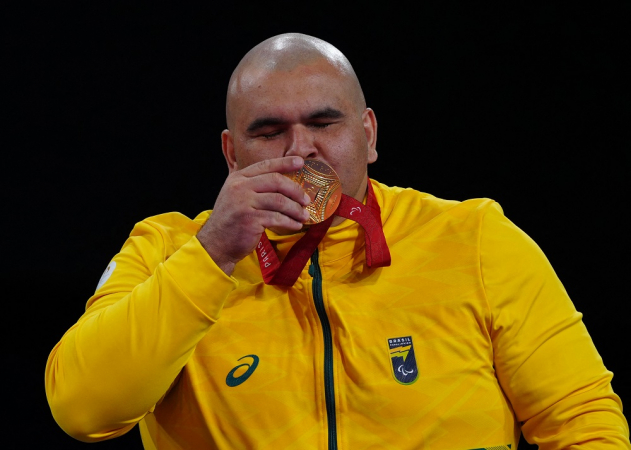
(141, 326)
(544, 357)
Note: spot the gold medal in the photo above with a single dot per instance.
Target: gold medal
(322, 185)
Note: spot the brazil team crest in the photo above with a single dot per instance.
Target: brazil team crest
(403, 361)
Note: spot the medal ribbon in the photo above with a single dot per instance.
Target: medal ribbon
(368, 216)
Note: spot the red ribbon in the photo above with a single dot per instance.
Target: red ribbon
(368, 216)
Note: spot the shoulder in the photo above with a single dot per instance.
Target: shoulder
(173, 228)
(407, 207)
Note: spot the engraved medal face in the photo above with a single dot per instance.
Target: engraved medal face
(322, 184)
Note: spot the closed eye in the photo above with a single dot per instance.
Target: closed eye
(321, 125)
(271, 135)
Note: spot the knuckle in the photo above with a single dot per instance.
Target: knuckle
(277, 178)
(266, 165)
(251, 218)
(278, 218)
(279, 200)
(235, 184)
(232, 181)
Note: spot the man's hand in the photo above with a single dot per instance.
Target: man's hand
(252, 199)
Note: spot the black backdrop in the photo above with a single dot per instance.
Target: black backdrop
(114, 115)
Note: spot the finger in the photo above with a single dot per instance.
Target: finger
(279, 203)
(280, 165)
(274, 219)
(275, 182)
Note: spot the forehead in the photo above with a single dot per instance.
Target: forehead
(303, 88)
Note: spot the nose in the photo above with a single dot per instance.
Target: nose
(301, 143)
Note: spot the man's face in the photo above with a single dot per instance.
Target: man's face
(312, 111)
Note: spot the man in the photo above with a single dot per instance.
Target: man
(417, 322)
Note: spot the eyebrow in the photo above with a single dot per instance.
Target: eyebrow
(324, 113)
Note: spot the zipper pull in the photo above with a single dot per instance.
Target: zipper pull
(314, 261)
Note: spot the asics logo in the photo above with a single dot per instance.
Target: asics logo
(403, 371)
(355, 209)
(233, 381)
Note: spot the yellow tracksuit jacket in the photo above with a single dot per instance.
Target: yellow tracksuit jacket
(466, 338)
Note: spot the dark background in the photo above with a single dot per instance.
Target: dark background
(114, 115)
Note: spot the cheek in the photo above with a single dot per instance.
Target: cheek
(242, 159)
(250, 153)
(348, 156)
(350, 151)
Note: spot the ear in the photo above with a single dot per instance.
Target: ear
(227, 147)
(370, 128)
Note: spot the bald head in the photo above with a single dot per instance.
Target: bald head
(285, 53)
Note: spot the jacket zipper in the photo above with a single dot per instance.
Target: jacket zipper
(329, 388)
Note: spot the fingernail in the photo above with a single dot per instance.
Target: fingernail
(297, 161)
(307, 199)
